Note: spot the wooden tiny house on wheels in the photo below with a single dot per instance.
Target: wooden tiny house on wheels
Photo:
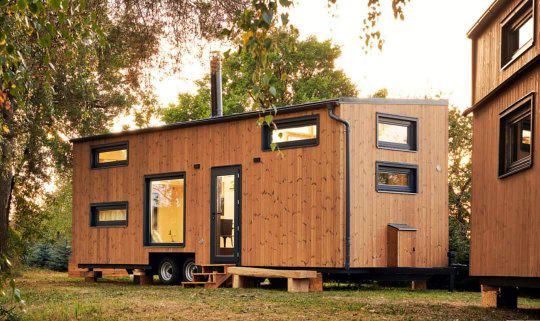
(506, 181)
(188, 196)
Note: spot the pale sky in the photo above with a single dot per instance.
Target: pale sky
(427, 54)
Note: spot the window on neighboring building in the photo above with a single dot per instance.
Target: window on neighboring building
(397, 132)
(110, 155)
(165, 209)
(292, 132)
(516, 137)
(109, 214)
(517, 32)
(397, 177)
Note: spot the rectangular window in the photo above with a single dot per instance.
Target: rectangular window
(397, 178)
(291, 133)
(109, 214)
(516, 137)
(110, 155)
(397, 132)
(517, 32)
(165, 209)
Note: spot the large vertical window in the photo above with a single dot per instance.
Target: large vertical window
(291, 133)
(516, 137)
(165, 209)
(397, 132)
(517, 32)
(110, 155)
(109, 214)
(396, 178)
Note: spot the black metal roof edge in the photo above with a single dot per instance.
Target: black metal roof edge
(486, 17)
(254, 114)
(394, 101)
(207, 121)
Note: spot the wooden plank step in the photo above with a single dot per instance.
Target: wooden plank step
(271, 273)
(195, 284)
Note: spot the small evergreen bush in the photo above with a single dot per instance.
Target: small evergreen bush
(53, 256)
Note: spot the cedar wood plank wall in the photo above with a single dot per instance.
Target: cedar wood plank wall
(504, 220)
(292, 208)
(372, 212)
(505, 212)
(486, 50)
(289, 217)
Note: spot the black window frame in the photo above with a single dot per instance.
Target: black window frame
(412, 132)
(96, 207)
(516, 18)
(97, 149)
(285, 123)
(146, 206)
(409, 169)
(517, 111)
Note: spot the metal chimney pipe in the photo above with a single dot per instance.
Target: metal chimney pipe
(215, 84)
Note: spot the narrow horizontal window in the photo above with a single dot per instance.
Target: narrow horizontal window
(516, 137)
(110, 155)
(291, 133)
(397, 132)
(109, 214)
(517, 32)
(396, 177)
(165, 209)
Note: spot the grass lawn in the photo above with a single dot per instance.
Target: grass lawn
(54, 296)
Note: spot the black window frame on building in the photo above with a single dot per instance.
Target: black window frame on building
(96, 207)
(402, 168)
(510, 50)
(508, 119)
(97, 149)
(148, 179)
(311, 120)
(412, 132)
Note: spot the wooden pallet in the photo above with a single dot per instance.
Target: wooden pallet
(212, 276)
(297, 280)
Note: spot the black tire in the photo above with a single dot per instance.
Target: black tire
(188, 268)
(169, 271)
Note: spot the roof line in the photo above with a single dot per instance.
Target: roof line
(495, 6)
(255, 114)
(213, 120)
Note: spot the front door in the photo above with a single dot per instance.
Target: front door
(225, 211)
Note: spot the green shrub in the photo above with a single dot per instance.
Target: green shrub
(53, 256)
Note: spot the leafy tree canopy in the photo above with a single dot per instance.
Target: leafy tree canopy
(460, 182)
(303, 70)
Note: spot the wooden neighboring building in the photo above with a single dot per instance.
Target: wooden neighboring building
(506, 181)
(211, 192)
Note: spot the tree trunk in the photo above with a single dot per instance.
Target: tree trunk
(6, 171)
(5, 197)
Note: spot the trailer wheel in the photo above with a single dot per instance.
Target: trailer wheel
(168, 271)
(189, 267)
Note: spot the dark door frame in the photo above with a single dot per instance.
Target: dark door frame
(219, 171)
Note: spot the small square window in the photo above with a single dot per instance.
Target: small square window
(109, 214)
(397, 132)
(110, 155)
(397, 178)
(517, 33)
(291, 133)
(516, 137)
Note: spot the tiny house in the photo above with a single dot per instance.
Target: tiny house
(506, 183)
(356, 186)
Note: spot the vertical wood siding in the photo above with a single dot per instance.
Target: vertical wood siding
(292, 206)
(372, 211)
(505, 219)
(487, 72)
